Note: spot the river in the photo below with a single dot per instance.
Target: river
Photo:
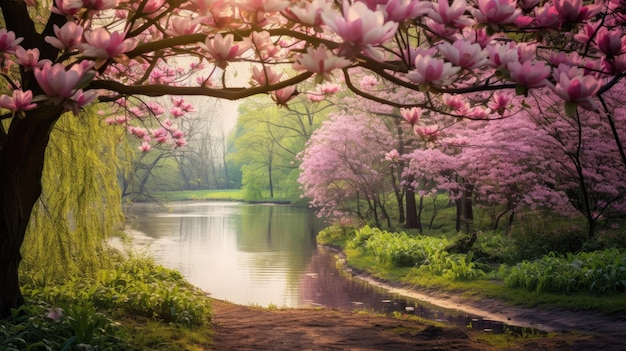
(262, 255)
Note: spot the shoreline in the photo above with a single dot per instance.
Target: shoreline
(546, 319)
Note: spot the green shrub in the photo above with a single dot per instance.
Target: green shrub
(597, 272)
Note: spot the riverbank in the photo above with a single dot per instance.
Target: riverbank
(546, 318)
(238, 327)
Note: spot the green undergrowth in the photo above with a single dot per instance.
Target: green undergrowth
(583, 280)
(136, 305)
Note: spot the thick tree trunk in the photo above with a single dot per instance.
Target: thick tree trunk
(22, 151)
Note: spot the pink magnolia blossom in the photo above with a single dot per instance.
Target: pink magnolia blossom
(222, 48)
(529, 74)
(573, 11)
(430, 70)
(411, 115)
(587, 32)
(20, 101)
(321, 61)
(429, 133)
(310, 13)
(56, 81)
(282, 96)
(29, 58)
(400, 11)
(450, 14)
(360, 28)
(265, 75)
(573, 86)
(183, 26)
(8, 42)
(67, 37)
(455, 102)
(500, 102)
(611, 42)
(67, 8)
(102, 44)
(502, 55)
(145, 147)
(463, 54)
(546, 16)
(496, 13)
(82, 98)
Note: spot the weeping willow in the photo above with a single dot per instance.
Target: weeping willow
(80, 206)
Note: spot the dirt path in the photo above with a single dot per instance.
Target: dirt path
(248, 328)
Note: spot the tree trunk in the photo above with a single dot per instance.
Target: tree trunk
(411, 209)
(22, 152)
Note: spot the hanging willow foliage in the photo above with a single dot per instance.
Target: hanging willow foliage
(80, 206)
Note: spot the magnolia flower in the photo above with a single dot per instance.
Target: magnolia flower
(320, 60)
(67, 37)
(102, 44)
(265, 75)
(502, 55)
(411, 115)
(56, 81)
(67, 8)
(464, 54)
(8, 42)
(360, 28)
(182, 26)
(400, 11)
(282, 96)
(451, 14)
(575, 88)
(500, 102)
(222, 49)
(496, 12)
(611, 42)
(431, 70)
(310, 13)
(529, 74)
(572, 11)
(144, 147)
(29, 58)
(455, 102)
(393, 156)
(20, 101)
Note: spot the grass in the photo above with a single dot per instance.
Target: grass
(199, 195)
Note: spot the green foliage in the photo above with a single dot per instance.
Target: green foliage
(76, 315)
(335, 235)
(137, 287)
(40, 326)
(80, 204)
(227, 195)
(598, 272)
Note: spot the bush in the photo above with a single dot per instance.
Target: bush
(597, 272)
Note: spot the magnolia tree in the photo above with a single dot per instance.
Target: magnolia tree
(59, 57)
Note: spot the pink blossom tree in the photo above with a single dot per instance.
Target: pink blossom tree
(63, 56)
(344, 171)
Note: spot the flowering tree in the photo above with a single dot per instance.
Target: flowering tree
(113, 50)
(344, 169)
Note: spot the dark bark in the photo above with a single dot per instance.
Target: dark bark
(411, 209)
(22, 151)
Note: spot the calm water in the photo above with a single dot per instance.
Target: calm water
(261, 255)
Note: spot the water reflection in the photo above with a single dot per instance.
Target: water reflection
(262, 255)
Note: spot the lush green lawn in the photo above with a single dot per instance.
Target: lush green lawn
(224, 195)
